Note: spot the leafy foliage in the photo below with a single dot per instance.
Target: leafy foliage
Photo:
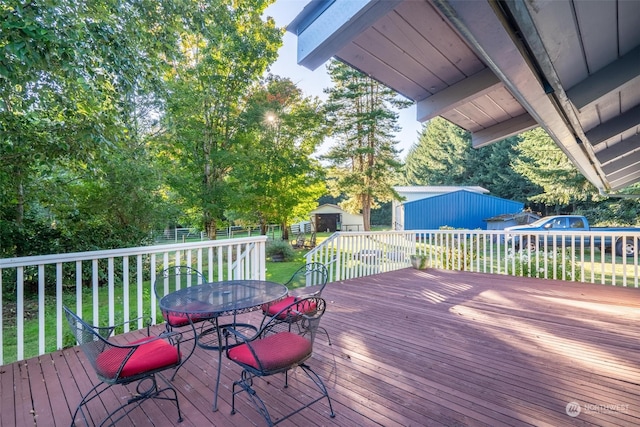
(224, 48)
(69, 73)
(280, 248)
(275, 178)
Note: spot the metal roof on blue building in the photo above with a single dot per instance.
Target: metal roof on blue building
(458, 209)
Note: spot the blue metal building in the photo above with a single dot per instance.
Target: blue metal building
(458, 209)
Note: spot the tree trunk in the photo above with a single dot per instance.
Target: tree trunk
(285, 231)
(210, 226)
(366, 212)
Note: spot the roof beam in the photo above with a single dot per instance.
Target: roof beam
(623, 179)
(615, 126)
(503, 130)
(612, 78)
(337, 25)
(618, 150)
(482, 25)
(458, 94)
(623, 164)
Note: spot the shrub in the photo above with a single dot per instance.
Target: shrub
(279, 250)
(544, 265)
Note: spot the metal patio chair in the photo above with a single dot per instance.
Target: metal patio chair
(169, 280)
(275, 349)
(308, 280)
(140, 361)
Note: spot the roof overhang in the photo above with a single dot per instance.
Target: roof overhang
(499, 68)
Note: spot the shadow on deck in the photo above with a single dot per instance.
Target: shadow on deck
(409, 348)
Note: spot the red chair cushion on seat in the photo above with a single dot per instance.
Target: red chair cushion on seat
(272, 309)
(177, 319)
(302, 308)
(151, 356)
(276, 351)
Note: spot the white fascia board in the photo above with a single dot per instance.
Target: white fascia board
(337, 25)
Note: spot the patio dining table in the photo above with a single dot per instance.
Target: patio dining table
(220, 299)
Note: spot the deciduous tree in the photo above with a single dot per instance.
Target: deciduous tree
(276, 178)
(225, 48)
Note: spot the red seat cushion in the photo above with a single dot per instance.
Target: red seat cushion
(275, 352)
(147, 357)
(301, 308)
(272, 309)
(177, 319)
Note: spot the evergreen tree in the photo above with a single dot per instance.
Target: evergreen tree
(364, 158)
(444, 156)
(544, 164)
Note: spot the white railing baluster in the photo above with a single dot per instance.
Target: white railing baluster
(95, 294)
(111, 290)
(41, 308)
(20, 313)
(1, 321)
(140, 290)
(59, 294)
(125, 292)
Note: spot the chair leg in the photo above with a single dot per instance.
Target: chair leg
(320, 328)
(86, 399)
(146, 388)
(320, 384)
(246, 382)
(184, 359)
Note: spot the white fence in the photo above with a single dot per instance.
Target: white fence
(88, 282)
(573, 256)
(183, 235)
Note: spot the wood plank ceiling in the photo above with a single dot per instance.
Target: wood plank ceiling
(497, 69)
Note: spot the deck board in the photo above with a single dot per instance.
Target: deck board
(410, 348)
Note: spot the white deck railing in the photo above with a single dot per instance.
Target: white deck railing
(88, 281)
(117, 285)
(574, 256)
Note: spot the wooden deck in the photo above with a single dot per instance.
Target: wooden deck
(410, 348)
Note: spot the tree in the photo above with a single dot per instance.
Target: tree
(444, 156)
(364, 158)
(544, 164)
(68, 71)
(225, 48)
(439, 157)
(275, 178)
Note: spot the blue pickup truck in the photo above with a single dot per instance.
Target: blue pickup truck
(563, 228)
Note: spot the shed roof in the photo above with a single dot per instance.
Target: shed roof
(439, 189)
(331, 207)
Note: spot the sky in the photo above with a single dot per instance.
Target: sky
(312, 83)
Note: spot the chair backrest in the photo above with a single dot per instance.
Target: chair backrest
(92, 339)
(305, 313)
(312, 276)
(176, 277)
